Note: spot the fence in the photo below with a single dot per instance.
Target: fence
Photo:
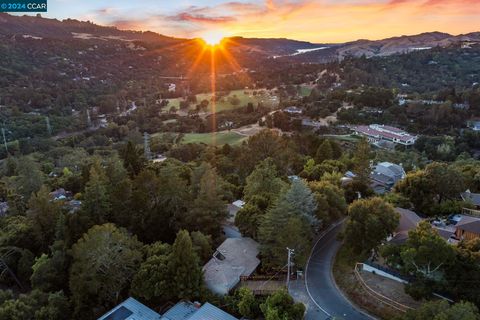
(385, 272)
(378, 296)
(471, 212)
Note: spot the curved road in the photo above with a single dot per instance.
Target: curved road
(329, 302)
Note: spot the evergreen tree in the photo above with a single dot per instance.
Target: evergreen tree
(362, 159)
(208, 210)
(324, 152)
(105, 260)
(294, 214)
(96, 199)
(184, 268)
(44, 213)
(133, 158)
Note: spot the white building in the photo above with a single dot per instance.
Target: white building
(377, 132)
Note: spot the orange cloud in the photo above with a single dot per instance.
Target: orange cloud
(317, 20)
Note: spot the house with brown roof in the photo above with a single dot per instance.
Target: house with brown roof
(467, 228)
(409, 220)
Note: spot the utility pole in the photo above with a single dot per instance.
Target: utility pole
(289, 262)
(4, 139)
(146, 146)
(89, 120)
(49, 127)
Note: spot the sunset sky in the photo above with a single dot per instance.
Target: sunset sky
(318, 21)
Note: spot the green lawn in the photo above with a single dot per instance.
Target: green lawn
(223, 103)
(305, 91)
(218, 139)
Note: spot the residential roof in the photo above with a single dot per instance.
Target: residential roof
(408, 220)
(474, 198)
(378, 131)
(444, 233)
(210, 312)
(239, 203)
(472, 226)
(387, 173)
(130, 309)
(235, 257)
(185, 310)
(181, 311)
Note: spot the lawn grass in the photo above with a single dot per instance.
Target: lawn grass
(223, 103)
(345, 279)
(305, 91)
(348, 138)
(217, 139)
(213, 139)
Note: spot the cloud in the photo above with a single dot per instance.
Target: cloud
(313, 20)
(200, 18)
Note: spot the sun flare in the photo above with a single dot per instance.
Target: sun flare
(213, 37)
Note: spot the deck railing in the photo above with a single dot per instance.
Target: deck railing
(471, 212)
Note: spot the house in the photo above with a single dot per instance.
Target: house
(130, 309)
(73, 206)
(233, 208)
(293, 110)
(185, 310)
(60, 194)
(474, 125)
(458, 227)
(473, 198)
(234, 258)
(408, 221)
(467, 228)
(3, 208)
(172, 87)
(385, 175)
(376, 132)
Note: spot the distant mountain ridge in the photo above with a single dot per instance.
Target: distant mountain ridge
(36, 26)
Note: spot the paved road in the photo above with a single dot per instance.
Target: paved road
(328, 300)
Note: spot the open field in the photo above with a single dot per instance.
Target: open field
(305, 90)
(217, 138)
(225, 103)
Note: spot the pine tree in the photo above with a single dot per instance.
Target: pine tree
(184, 268)
(208, 210)
(362, 159)
(44, 214)
(324, 152)
(294, 215)
(96, 201)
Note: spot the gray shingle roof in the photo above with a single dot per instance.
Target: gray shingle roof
(185, 310)
(473, 198)
(234, 258)
(210, 312)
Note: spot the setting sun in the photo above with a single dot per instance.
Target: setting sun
(213, 37)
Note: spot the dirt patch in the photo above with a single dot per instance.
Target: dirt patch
(389, 288)
(344, 275)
